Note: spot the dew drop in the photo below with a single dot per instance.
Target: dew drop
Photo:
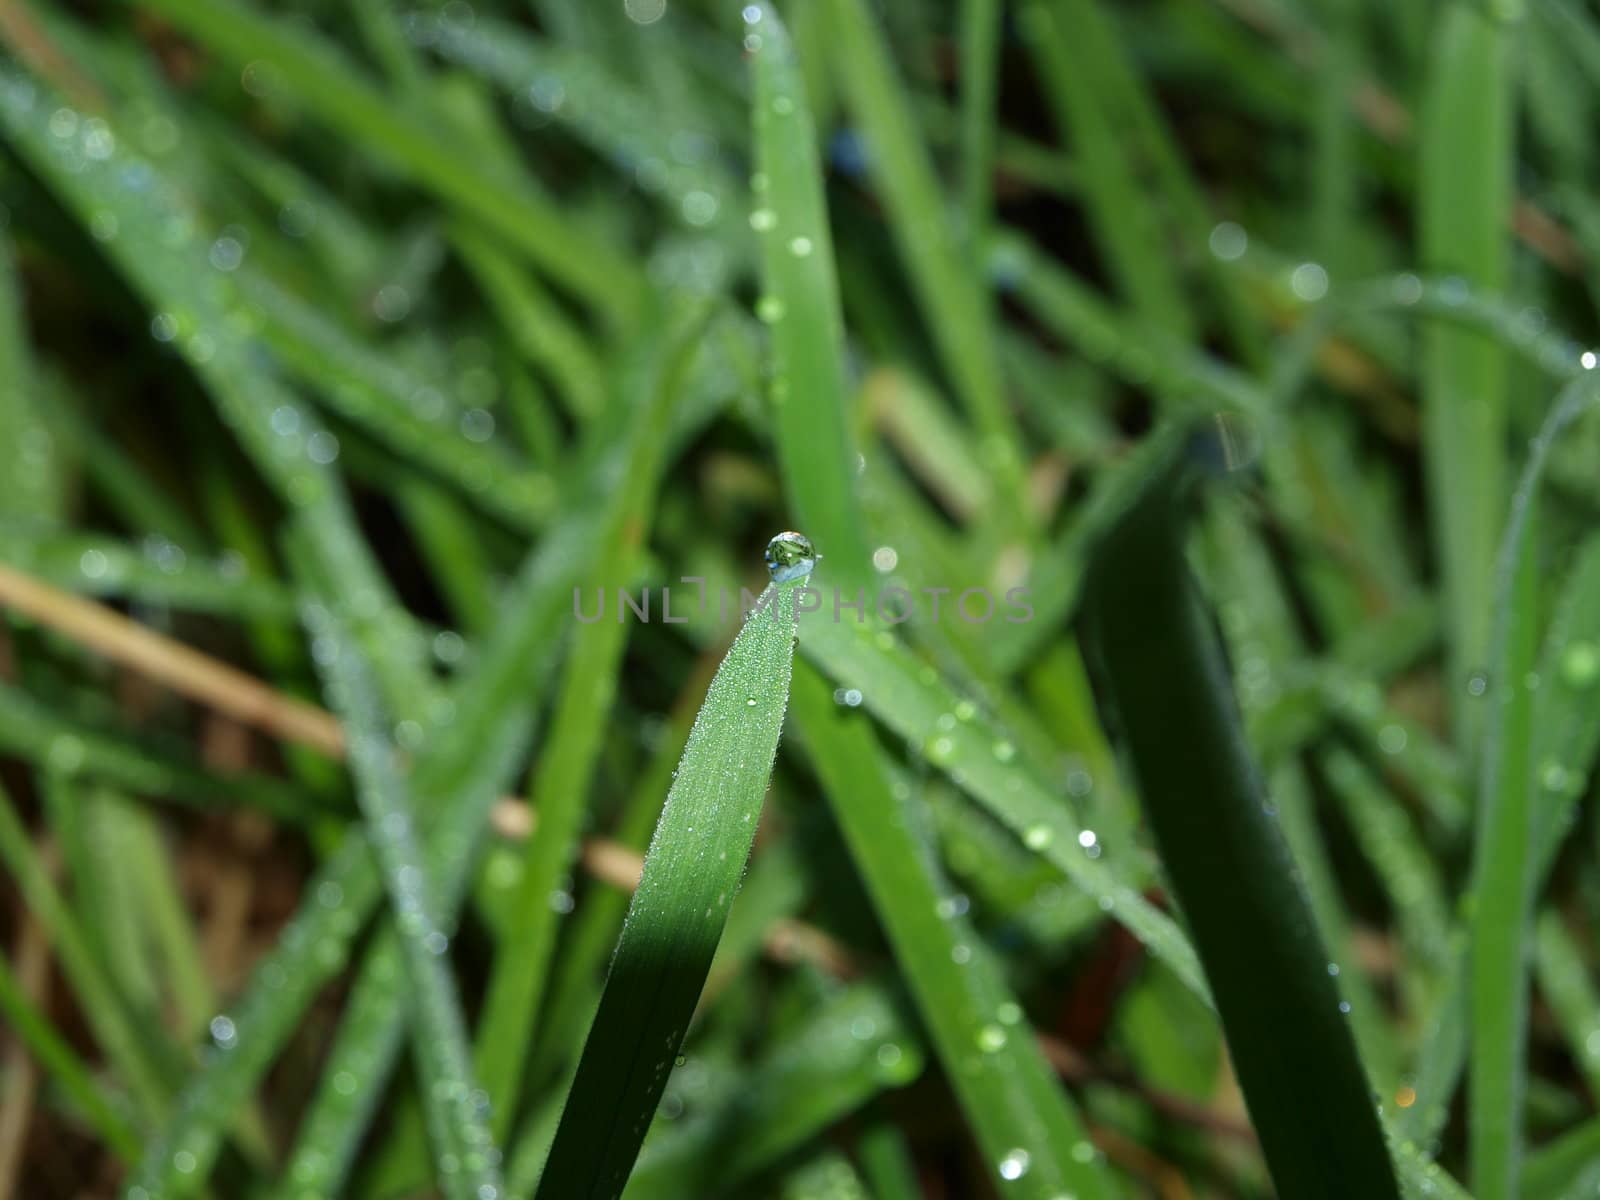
(769, 310)
(763, 219)
(1014, 1165)
(790, 555)
(1037, 837)
(800, 247)
(991, 1038)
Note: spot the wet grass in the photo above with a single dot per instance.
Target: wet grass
(1172, 778)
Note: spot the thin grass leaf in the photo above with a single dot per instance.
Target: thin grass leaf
(1125, 215)
(58, 1059)
(691, 872)
(983, 759)
(1229, 868)
(32, 458)
(1563, 979)
(464, 1147)
(979, 37)
(954, 306)
(1566, 1169)
(39, 734)
(1464, 200)
(561, 783)
(857, 1044)
(1028, 1133)
(159, 573)
(137, 1059)
(808, 391)
(1505, 863)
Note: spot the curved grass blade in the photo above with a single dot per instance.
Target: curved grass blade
(691, 872)
(1026, 1129)
(1125, 216)
(1296, 1061)
(980, 51)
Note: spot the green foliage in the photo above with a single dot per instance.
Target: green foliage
(1119, 842)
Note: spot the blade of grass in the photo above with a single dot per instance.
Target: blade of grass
(979, 37)
(560, 787)
(1128, 226)
(1228, 864)
(1566, 1169)
(58, 1059)
(464, 1149)
(808, 390)
(691, 872)
(856, 1045)
(38, 733)
(1464, 202)
(1505, 862)
(1028, 1132)
(136, 1058)
(945, 288)
(982, 758)
(1564, 981)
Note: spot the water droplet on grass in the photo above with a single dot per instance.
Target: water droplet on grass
(1015, 1164)
(790, 555)
(991, 1038)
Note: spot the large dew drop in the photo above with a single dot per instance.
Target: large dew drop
(790, 555)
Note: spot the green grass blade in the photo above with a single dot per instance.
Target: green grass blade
(979, 34)
(1464, 201)
(134, 1056)
(953, 304)
(52, 1052)
(982, 758)
(1231, 872)
(808, 390)
(1127, 222)
(1505, 864)
(1564, 982)
(1566, 1169)
(464, 1147)
(691, 872)
(1027, 1131)
(857, 1044)
(561, 783)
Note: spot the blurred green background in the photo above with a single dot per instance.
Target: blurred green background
(350, 354)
